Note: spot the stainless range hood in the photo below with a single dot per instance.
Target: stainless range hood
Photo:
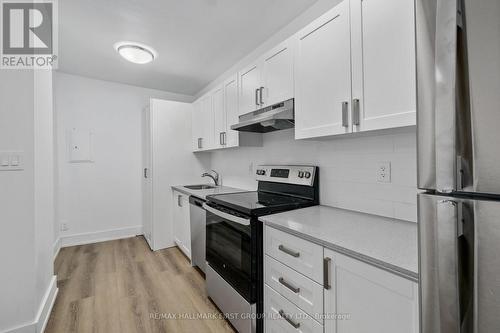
(272, 118)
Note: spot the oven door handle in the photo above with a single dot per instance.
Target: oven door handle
(226, 216)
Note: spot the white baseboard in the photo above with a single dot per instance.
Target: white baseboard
(42, 317)
(100, 236)
(47, 305)
(57, 247)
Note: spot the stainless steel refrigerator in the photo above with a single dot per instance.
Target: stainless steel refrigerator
(458, 89)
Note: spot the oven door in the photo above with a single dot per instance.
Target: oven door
(230, 250)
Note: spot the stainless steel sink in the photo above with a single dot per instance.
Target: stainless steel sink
(199, 187)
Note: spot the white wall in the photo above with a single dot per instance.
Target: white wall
(348, 168)
(27, 284)
(94, 198)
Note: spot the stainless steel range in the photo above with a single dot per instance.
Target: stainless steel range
(234, 249)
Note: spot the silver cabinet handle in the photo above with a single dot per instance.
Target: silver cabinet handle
(345, 114)
(288, 319)
(288, 251)
(179, 201)
(221, 139)
(200, 143)
(288, 285)
(146, 173)
(257, 96)
(355, 112)
(224, 138)
(326, 273)
(261, 90)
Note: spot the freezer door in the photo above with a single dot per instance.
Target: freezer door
(458, 79)
(459, 251)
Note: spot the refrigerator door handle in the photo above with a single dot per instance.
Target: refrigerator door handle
(448, 265)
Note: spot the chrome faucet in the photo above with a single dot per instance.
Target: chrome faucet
(215, 177)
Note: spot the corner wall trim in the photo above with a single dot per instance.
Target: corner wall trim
(100, 236)
(57, 247)
(47, 305)
(43, 314)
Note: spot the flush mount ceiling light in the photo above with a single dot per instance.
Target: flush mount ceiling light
(136, 52)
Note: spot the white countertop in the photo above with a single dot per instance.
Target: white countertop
(383, 242)
(201, 194)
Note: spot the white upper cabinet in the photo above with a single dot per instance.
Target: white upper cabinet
(323, 75)
(197, 126)
(376, 301)
(231, 138)
(383, 55)
(249, 88)
(267, 81)
(277, 75)
(206, 121)
(219, 113)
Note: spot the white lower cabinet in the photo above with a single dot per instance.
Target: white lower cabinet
(372, 300)
(284, 316)
(352, 296)
(181, 226)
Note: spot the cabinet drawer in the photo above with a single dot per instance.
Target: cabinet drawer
(276, 307)
(298, 289)
(303, 256)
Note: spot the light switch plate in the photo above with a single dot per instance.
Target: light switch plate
(11, 160)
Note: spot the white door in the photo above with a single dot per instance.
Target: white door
(374, 300)
(231, 138)
(147, 183)
(277, 74)
(206, 123)
(384, 68)
(249, 89)
(197, 129)
(323, 75)
(219, 117)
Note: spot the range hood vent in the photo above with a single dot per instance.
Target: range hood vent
(272, 118)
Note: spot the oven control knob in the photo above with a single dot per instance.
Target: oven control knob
(301, 174)
(261, 172)
(307, 174)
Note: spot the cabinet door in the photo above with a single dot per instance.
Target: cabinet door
(384, 68)
(177, 217)
(323, 75)
(219, 117)
(206, 122)
(249, 85)
(374, 300)
(277, 74)
(231, 138)
(184, 220)
(197, 129)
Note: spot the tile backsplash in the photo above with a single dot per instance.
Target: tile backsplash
(348, 169)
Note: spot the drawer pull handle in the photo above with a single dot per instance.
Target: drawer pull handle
(288, 251)
(289, 286)
(287, 318)
(326, 275)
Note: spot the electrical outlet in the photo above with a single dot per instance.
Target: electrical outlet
(384, 172)
(64, 227)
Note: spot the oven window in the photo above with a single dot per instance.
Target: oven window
(229, 252)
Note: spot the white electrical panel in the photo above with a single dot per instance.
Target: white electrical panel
(11, 161)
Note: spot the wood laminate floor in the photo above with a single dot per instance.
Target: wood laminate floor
(122, 286)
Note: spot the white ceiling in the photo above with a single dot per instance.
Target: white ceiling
(197, 40)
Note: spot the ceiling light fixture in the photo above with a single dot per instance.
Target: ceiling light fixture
(136, 52)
